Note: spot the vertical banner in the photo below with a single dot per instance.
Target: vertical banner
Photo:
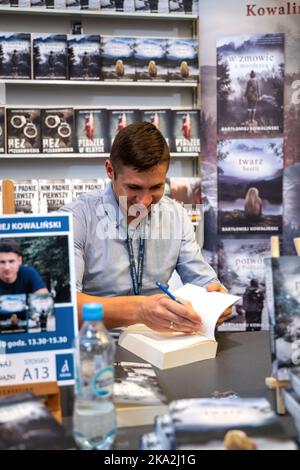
(250, 85)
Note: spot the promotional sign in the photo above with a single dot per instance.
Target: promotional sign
(38, 319)
(250, 100)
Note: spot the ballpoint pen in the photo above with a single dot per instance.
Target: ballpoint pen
(166, 291)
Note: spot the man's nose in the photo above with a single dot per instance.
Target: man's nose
(145, 199)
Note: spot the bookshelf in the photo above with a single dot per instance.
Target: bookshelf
(93, 94)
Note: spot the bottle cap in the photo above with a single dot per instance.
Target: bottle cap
(92, 311)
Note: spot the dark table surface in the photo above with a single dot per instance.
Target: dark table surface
(243, 362)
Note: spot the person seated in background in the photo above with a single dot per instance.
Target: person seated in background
(128, 236)
(16, 278)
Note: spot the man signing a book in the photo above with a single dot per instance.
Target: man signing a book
(128, 236)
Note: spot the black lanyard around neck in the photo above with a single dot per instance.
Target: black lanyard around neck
(136, 274)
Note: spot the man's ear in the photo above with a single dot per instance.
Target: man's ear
(109, 169)
(20, 260)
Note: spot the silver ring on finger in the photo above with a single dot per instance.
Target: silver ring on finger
(171, 325)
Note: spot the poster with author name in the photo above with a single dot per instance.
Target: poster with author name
(38, 320)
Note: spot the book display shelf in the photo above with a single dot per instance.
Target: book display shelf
(34, 93)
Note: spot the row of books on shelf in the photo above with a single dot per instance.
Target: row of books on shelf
(94, 57)
(187, 7)
(48, 195)
(90, 131)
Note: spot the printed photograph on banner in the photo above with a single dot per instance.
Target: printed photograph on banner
(250, 84)
(13, 313)
(37, 297)
(250, 185)
(241, 271)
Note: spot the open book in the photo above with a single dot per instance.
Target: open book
(166, 350)
(137, 394)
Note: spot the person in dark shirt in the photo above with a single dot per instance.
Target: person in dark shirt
(16, 278)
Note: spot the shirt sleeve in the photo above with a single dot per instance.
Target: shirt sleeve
(79, 234)
(36, 281)
(191, 265)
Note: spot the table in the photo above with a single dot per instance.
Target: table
(242, 363)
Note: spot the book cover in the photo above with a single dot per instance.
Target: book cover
(90, 4)
(108, 5)
(38, 3)
(187, 191)
(80, 186)
(182, 60)
(151, 6)
(137, 394)
(188, 7)
(23, 131)
(13, 314)
(84, 56)
(41, 313)
(285, 314)
(227, 423)
(58, 130)
(91, 133)
(15, 55)
(186, 131)
(150, 56)
(54, 194)
(118, 119)
(2, 130)
(250, 185)
(241, 270)
(73, 4)
(27, 424)
(117, 58)
(250, 80)
(56, 4)
(161, 119)
(20, 3)
(50, 56)
(26, 196)
(166, 350)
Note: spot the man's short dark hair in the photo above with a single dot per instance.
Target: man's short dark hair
(141, 146)
(8, 245)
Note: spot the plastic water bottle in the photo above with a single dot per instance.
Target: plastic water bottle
(94, 418)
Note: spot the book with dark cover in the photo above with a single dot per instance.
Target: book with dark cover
(50, 56)
(117, 58)
(58, 130)
(161, 119)
(91, 132)
(26, 196)
(186, 131)
(15, 60)
(250, 175)
(182, 60)
(2, 130)
(41, 313)
(73, 4)
(204, 424)
(117, 5)
(137, 394)
(54, 194)
(117, 120)
(27, 424)
(250, 80)
(283, 292)
(38, 3)
(187, 7)
(13, 314)
(84, 56)
(241, 270)
(90, 4)
(23, 131)
(151, 59)
(151, 6)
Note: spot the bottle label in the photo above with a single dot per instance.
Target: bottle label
(102, 383)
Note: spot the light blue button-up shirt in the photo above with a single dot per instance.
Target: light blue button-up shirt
(101, 252)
